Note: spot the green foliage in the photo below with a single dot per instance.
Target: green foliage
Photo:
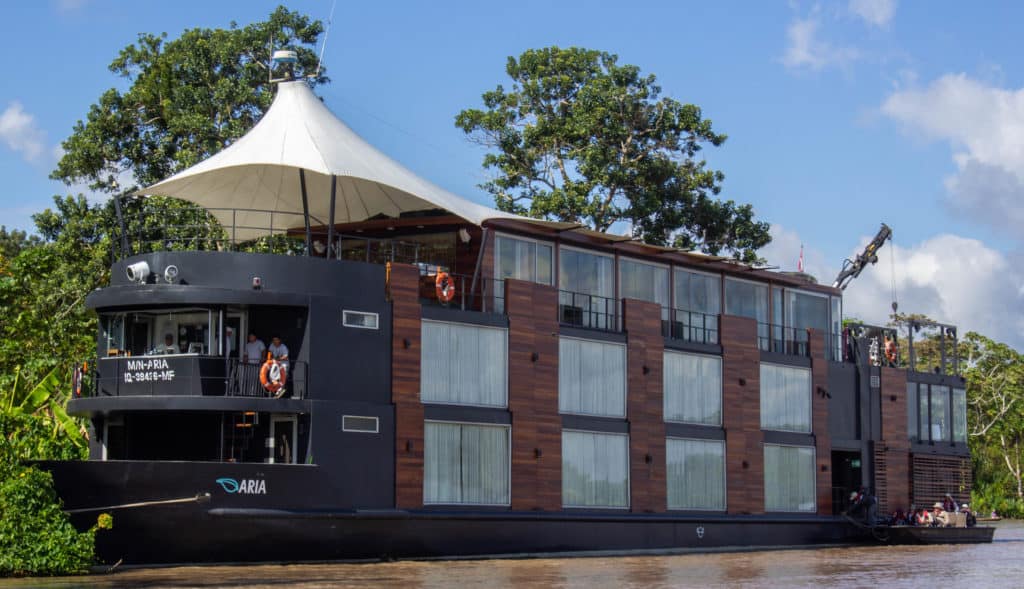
(581, 138)
(36, 537)
(13, 241)
(187, 99)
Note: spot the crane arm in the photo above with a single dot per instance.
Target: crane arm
(853, 268)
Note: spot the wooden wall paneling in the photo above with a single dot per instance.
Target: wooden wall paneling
(819, 420)
(934, 476)
(405, 385)
(533, 396)
(741, 415)
(894, 443)
(644, 406)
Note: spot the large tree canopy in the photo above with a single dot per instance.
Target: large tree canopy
(188, 98)
(581, 138)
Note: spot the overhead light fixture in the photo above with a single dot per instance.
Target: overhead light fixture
(464, 235)
(137, 272)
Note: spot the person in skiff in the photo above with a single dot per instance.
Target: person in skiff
(923, 517)
(972, 520)
(940, 517)
(949, 504)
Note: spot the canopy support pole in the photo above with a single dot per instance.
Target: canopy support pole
(330, 222)
(305, 211)
(120, 224)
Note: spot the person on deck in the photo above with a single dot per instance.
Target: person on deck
(169, 347)
(252, 356)
(278, 351)
(940, 517)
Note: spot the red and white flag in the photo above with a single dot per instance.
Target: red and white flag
(800, 262)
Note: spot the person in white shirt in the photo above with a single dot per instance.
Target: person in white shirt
(278, 351)
(254, 349)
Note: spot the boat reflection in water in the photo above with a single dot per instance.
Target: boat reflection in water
(981, 565)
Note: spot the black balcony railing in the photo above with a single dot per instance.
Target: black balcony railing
(485, 295)
(691, 326)
(589, 311)
(187, 375)
(783, 340)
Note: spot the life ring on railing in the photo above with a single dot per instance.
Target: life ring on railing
(76, 381)
(890, 351)
(445, 287)
(272, 376)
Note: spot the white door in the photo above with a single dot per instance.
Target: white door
(282, 445)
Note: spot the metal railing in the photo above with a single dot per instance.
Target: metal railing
(783, 340)
(691, 326)
(589, 311)
(186, 375)
(486, 296)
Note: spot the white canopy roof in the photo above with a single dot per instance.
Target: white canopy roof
(260, 172)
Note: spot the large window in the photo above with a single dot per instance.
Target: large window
(464, 364)
(522, 259)
(466, 464)
(836, 332)
(785, 398)
(939, 419)
(804, 310)
(748, 299)
(912, 429)
(158, 332)
(595, 469)
(789, 478)
(645, 282)
(697, 292)
(591, 377)
(693, 388)
(696, 474)
(960, 415)
(586, 284)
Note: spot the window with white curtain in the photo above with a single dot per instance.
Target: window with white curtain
(465, 464)
(698, 292)
(693, 388)
(595, 469)
(696, 474)
(591, 377)
(464, 364)
(789, 483)
(785, 398)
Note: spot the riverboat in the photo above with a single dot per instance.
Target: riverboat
(462, 381)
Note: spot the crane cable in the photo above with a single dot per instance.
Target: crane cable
(892, 273)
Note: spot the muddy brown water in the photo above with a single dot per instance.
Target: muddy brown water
(1000, 564)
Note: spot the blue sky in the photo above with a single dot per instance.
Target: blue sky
(840, 115)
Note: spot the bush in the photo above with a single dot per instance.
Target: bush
(36, 537)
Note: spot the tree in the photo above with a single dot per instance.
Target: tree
(13, 241)
(188, 98)
(583, 139)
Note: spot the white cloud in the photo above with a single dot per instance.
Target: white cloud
(951, 279)
(19, 131)
(874, 12)
(984, 126)
(65, 6)
(806, 50)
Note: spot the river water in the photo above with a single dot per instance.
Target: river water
(1000, 564)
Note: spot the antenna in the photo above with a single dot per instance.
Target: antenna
(327, 32)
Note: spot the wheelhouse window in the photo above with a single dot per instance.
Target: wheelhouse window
(696, 474)
(465, 464)
(646, 282)
(748, 299)
(789, 478)
(591, 377)
(586, 284)
(595, 469)
(464, 364)
(939, 414)
(912, 428)
(785, 398)
(164, 331)
(693, 388)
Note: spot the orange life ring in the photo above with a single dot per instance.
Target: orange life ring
(76, 381)
(273, 375)
(445, 287)
(890, 350)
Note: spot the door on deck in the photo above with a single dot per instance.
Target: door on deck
(283, 440)
(846, 478)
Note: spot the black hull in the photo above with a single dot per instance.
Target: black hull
(916, 536)
(293, 522)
